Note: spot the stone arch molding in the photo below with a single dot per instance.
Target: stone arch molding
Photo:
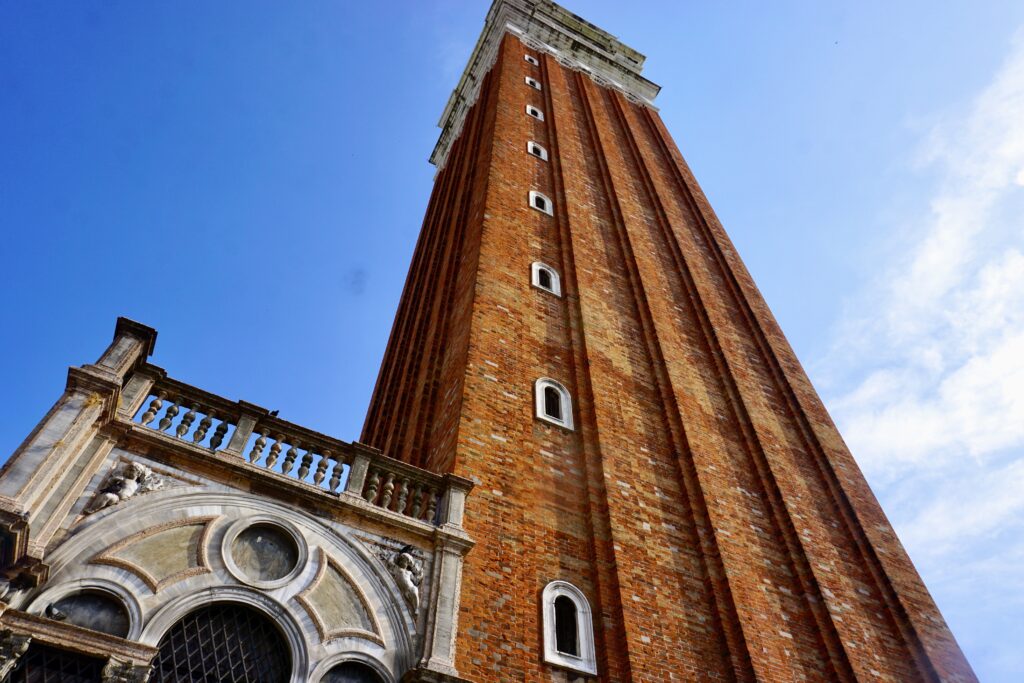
(113, 551)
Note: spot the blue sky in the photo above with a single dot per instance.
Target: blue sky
(249, 178)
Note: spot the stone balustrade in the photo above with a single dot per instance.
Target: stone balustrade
(245, 432)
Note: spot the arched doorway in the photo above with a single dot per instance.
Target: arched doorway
(351, 672)
(224, 642)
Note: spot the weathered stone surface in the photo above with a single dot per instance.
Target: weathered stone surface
(264, 552)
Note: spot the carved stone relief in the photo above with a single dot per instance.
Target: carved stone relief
(134, 478)
(404, 562)
(12, 647)
(117, 671)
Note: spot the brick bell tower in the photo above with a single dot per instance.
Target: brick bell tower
(660, 494)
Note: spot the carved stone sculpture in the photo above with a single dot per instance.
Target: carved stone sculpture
(408, 573)
(12, 647)
(117, 671)
(132, 480)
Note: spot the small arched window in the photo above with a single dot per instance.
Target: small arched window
(568, 628)
(531, 59)
(534, 112)
(553, 402)
(545, 277)
(533, 83)
(537, 150)
(541, 203)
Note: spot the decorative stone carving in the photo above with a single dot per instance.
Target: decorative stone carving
(408, 573)
(117, 671)
(133, 479)
(12, 647)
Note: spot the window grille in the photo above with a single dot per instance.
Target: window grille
(222, 643)
(43, 664)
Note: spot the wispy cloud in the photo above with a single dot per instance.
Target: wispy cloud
(935, 409)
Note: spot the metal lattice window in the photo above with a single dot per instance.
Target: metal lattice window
(222, 643)
(43, 664)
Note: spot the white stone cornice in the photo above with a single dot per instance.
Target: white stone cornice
(546, 27)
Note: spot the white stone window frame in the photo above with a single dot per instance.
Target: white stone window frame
(534, 112)
(565, 402)
(586, 662)
(549, 206)
(531, 59)
(533, 83)
(541, 151)
(241, 525)
(556, 282)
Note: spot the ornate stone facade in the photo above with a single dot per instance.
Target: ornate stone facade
(146, 499)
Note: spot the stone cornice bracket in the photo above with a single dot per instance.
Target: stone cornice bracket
(550, 28)
(118, 671)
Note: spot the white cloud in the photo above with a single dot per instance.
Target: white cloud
(935, 409)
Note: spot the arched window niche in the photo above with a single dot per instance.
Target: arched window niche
(568, 628)
(553, 402)
(543, 276)
(541, 202)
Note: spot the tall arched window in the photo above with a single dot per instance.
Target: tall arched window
(553, 402)
(568, 628)
(225, 642)
(545, 277)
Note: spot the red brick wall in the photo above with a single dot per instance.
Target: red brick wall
(704, 502)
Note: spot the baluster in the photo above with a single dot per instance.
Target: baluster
(307, 462)
(168, 418)
(154, 407)
(289, 458)
(417, 501)
(389, 490)
(403, 496)
(336, 476)
(204, 426)
(431, 504)
(371, 489)
(219, 434)
(275, 451)
(257, 448)
(321, 468)
(186, 421)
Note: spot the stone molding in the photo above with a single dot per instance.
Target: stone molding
(326, 561)
(545, 27)
(157, 584)
(75, 638)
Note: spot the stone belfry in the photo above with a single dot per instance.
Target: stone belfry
(659, 492)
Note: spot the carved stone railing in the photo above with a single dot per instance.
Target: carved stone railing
(240, 431)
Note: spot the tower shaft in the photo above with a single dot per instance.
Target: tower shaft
(702, 499)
